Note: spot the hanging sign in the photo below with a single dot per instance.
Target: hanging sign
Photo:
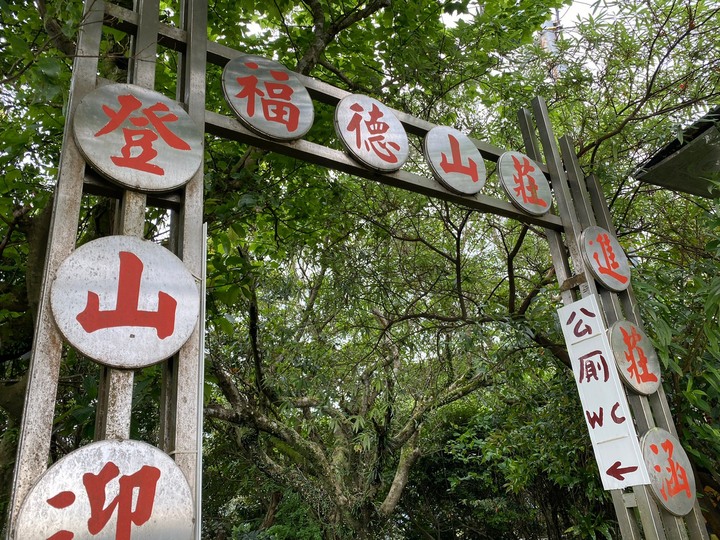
(125, 302)
(671, 476)
(524, 183)
(635, 356)
(371, 133)
(605, 258)
(109, 490)
(267, 98)
(604, 403)
(454, 160)
(138, 138)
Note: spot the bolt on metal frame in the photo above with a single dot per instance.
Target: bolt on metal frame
(579, 199)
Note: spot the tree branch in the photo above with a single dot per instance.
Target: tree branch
(324, 35)
(408, 456)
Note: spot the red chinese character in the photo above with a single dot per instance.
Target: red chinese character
(456, 165)
(126, 312)
(608, 255)
(579, 330)
(276, 101)
(141, 139)
(677, 482)
(62, 500)
(376, 130)
(138, 488)
(526, 187)
(590, 368)
(638, 367)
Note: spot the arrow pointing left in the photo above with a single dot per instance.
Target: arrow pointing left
(617, 471)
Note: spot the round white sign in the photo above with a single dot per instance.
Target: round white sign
(671, 476)
(635, 357)
(109, 490)
(138, 138)
(125, 302)
(371, 133)
(605, 258)
(524, 183)
(268, 98)
(454, 160)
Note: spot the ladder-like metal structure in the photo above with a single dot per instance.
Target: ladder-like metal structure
(580, 203)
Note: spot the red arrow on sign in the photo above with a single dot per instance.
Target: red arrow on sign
(616, 471)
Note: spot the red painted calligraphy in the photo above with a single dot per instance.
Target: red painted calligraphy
(592, 368)
(144, 481)
(376, 132)
(62, 500)
(126, 312)
(638, 368)
(677, 481)
(133, 503)
(141, 139)
(609, 265)
(276, 100)
(456, 165)
(526, 188)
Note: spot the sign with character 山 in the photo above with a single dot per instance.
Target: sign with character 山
(604, 403)
(125, 302)
(454, 160)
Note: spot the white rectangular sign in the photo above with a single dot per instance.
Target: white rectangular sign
(603, 399)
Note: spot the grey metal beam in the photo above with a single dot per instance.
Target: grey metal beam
(36, 428)
(230, 128)
(557, 248)
(654, 409)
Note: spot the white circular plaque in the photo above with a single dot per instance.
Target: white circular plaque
(125, 302)
(454, 160)
(268, 98)
(109, 490)
(524, 183)
(672, 480)
(138, 138)
(635, 357)
(371, 133)
(605, 258)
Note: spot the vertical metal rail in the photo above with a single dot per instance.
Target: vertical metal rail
(554, 238)
(574, 222)
(186, 369)
(114, 409)
(581, 204)
(655, 523)
(36, 427)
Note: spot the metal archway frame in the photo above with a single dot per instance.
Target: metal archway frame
(580, 204)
